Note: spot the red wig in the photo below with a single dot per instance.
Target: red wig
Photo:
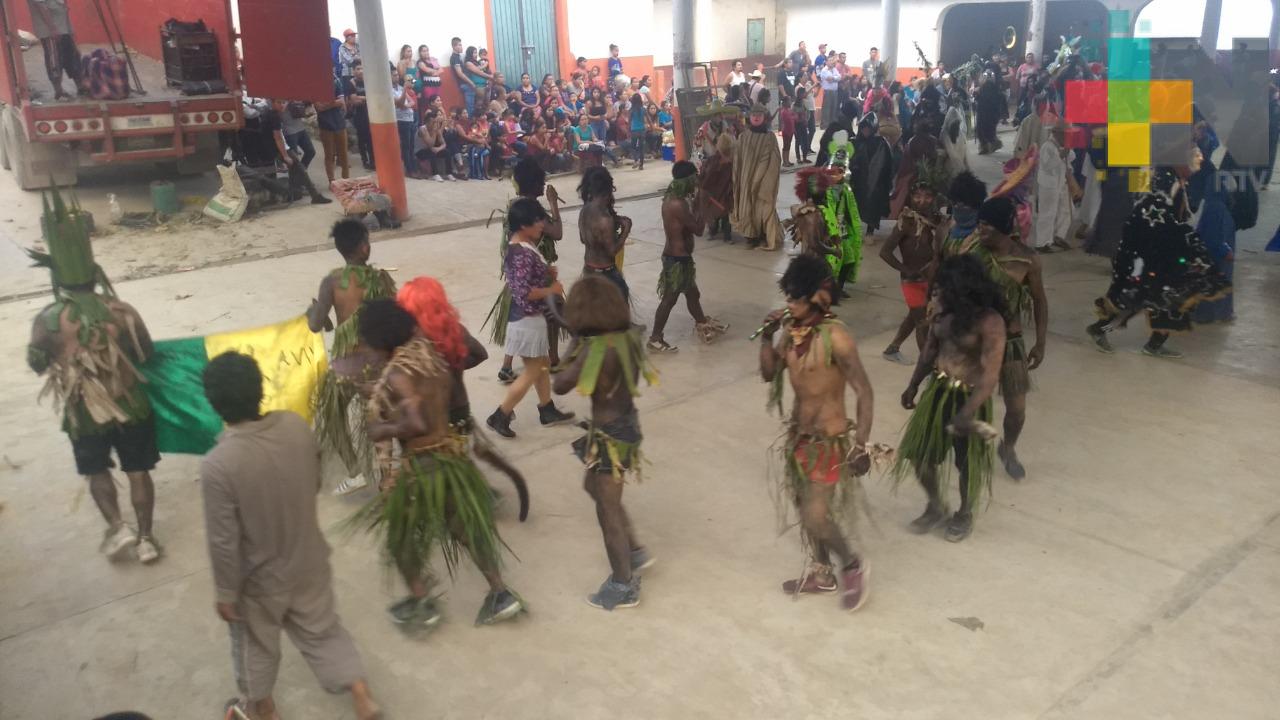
(424, 298)
(812, 183)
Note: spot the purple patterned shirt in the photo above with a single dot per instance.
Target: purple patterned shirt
(525, 270)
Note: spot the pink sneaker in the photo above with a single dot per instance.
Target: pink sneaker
(853, 592)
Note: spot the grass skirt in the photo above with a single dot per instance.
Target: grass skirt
(340, 426)
(1015, 374)
(498, 317)
(439, 498)
(926, 443)
(804, 455)
(679, 275)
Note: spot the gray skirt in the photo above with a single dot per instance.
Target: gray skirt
(527, 337)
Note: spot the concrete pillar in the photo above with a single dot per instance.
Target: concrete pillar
(889, 11)
(683, 51)
(382, 111)
(1035, 29)
(1275, 29)
(1209, 29)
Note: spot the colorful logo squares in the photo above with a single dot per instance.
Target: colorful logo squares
(1128, 108)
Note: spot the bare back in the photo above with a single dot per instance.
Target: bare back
(599, 233)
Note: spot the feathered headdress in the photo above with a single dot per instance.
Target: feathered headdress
(812, 183)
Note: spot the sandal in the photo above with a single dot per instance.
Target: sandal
(660, 346)
(350, 485)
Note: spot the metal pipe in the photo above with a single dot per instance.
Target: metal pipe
(889, 12)
(682, 56)
(1209, 28)
(382, 112)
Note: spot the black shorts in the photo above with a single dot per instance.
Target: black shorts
(134, 443)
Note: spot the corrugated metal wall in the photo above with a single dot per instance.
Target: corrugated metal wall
(539, 18)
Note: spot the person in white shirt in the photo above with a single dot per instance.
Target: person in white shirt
(736, 75)
(829, 79)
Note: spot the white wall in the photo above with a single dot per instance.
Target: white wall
(853, 27)
(1183, 18)
(419, 22)
(593, 25)
(720, 28)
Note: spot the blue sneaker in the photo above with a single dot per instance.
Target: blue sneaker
(613, 595)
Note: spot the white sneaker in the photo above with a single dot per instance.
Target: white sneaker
(117, 539)
(350, 485)
(437, 178)
(147, 550)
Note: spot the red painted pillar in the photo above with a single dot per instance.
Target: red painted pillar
(382, 112)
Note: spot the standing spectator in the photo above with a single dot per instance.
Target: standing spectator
(295, 132)
(1025, 76)
(736, 76)
(348, 53)
(756, 85)
(637, 130)
(797, 57)
(429, 80)
(477, 139)
(873, 69)
(406, 117)
(456, 64)
(331, 118)
(829, 79)
(787, 124)
(433, 152)
(803, 111)
(842, 64)
(820, 60)
(479, 78)
(358, 110)
(615, 63)
(269, 558)
(786, 83)
(405, 64)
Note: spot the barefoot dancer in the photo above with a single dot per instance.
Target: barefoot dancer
(602, 230)
(269, 557)
(531, 182)
(825, 453)
(89, 345)
(438, 495)
(606, 362)
(1016, 271)
(962, 359)
(919, 230)
(353, 366)
(681, 222)
(438, 322)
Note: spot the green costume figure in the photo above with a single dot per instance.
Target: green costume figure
(840, 209)
(353, 367)
(89, 344)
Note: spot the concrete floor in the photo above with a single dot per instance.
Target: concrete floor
(1132, 575)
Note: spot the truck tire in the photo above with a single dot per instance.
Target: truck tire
(37, 166)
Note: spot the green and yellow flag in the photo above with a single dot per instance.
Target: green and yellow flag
(292, 359)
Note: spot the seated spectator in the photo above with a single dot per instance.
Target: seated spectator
(528, 93)
(547, 90)
(652, 131)
(560, 158)
(478, 139)
(496, 94)
(593, 78)
(665, 120)
(432, 150)
(512, 134)
(587, 141)
(537, 144)
(455, 137)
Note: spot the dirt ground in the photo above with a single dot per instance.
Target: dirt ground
(1132, 575)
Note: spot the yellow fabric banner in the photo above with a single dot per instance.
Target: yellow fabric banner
(292, 359)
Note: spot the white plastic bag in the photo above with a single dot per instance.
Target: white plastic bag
(231, 201)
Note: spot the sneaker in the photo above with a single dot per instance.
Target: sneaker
(894, 355)
(959, 527)
(147, 550)
(1009, 457)
(818, 579)
(500, 423)
(116, 540)
(506, 376)
(660, 346)
(450, 178)
(321, 200)
(437, 178)
(498, 607)
(933, 516)
(1161, 352)
(350, 485)
(1100, 340)
(641, 559)
(854, 580)
(415, 611)
(613, 595)
(550, 415)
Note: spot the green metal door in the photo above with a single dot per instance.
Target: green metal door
(524, 32)
(755, 37)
